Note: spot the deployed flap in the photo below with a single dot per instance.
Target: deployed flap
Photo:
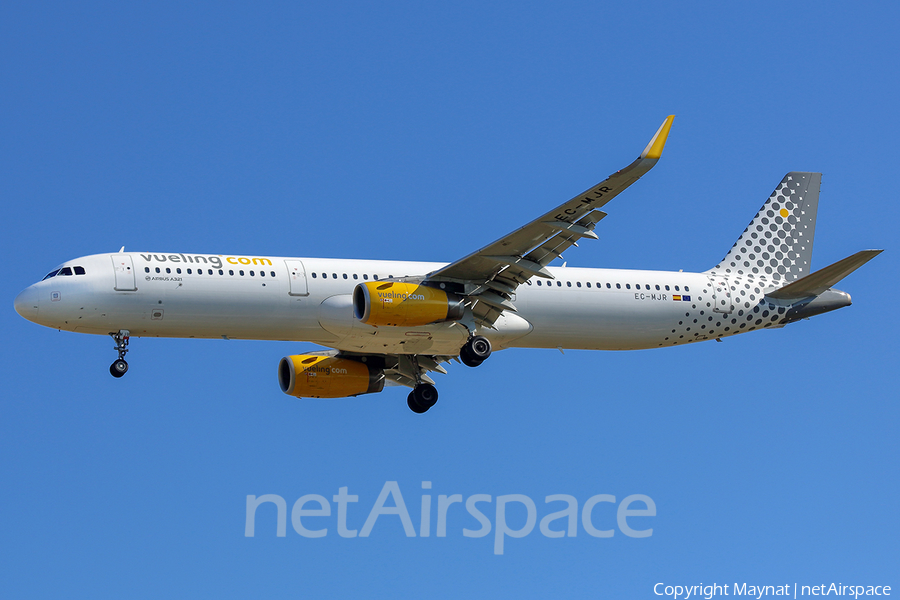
(816, 283)
(531, 245)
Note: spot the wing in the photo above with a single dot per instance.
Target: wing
(491, 275)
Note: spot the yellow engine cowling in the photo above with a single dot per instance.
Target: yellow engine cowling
(311, 376)
(398, 304)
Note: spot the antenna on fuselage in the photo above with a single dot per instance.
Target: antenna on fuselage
(122, 249)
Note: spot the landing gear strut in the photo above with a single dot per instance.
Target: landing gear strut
(422, 398)
(475, 351)
(120, 367)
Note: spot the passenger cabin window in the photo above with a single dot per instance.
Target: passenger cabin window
(272, 273)
(365, 276)
(146, 270)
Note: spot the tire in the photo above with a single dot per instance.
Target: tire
(425, 395)
(466, 357)
(413, 405)
(479, 348)
(118, 368)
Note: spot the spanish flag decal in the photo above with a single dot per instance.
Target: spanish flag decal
(676, 298)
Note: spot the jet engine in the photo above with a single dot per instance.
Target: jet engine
(311, 376)
(404, 304)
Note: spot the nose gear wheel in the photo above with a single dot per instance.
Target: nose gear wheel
(119, 366)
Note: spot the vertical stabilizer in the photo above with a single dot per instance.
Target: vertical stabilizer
(777, 245)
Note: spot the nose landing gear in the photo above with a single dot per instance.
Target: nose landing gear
(120, 367)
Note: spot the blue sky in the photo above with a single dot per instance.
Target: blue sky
(406, 131)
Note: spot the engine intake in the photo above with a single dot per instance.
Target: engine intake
(404, 304)
(311, 376)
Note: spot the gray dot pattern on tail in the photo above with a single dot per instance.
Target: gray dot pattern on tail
(776, 247)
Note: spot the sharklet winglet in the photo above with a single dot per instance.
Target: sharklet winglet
(655, 147)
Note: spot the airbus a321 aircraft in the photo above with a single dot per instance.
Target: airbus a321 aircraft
(393, 322)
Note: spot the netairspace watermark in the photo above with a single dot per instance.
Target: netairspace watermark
(309, 509)
(707, 592)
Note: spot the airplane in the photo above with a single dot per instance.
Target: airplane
(394, 322)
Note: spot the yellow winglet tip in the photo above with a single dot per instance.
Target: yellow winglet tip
(655, 147)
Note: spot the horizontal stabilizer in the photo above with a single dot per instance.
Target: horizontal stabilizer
(816, 283)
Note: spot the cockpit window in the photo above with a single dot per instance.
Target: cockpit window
(65, 271)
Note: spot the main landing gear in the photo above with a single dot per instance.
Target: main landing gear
(475, 351)
(423, 397)
(120, 367)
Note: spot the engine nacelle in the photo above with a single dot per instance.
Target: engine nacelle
(404, 304)
(311, 376)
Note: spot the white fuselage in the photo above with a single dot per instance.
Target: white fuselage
(309, 299)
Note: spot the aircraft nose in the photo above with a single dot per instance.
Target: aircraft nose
(27, 303)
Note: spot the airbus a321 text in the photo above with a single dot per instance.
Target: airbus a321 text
(393, 322)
